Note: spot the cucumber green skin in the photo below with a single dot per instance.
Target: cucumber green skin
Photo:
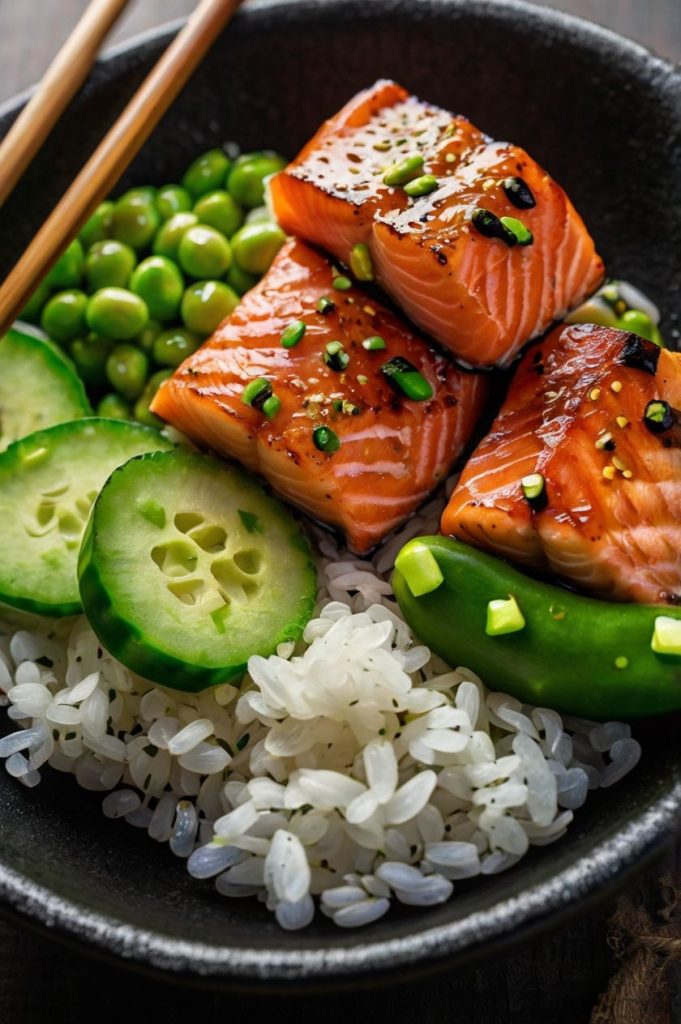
(47, 368)
(567, 663)
(65, 601)
(128, 641)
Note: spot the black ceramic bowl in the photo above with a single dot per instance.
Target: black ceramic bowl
(604, 117)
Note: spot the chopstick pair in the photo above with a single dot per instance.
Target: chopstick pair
(118, 147)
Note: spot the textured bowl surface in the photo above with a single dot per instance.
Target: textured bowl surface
(604, 117)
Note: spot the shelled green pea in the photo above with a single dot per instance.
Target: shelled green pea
(142, 411)
(63, 316)
(127, 369)
(205, 305)
(206, 173)
(158, 281)
(89, 355)
(219, 210)
(116, 313)
(98, 226)
(167, 239)
(172, 199)
(173, 346)
(67, 272)
(255, 246)
(109, 264)
(135, 219)
(113, 407)
(246, 180)
(204, 252)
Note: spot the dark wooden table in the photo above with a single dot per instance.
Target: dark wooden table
(555, 981)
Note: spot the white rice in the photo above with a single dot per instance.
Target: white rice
(350, 771)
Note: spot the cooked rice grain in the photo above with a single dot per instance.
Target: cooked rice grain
(354, 766)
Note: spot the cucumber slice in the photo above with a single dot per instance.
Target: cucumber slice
(48, 482)
(38, 387)
(188, 567)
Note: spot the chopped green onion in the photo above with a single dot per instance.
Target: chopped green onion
(325, 305)
(421, 186)
(362, 378)
(349, 408)
(522, 234)
(256, 392)
(403, 171)
(335, 356)
(271, 406)
(417, 563)
(373, 344)
(666, 635)
(519, 193)
(342, 283)
(407, 379)
(325, 440)
(504, 616)
(360, 262)
(658, 416)
(534, 489)
(293, 333)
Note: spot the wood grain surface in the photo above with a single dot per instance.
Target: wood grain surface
(555, 981)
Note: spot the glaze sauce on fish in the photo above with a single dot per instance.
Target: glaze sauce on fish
(479, 287)
(592, 411)
(344, 442)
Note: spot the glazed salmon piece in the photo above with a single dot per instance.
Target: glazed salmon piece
(481, 297)
(609, 516)
(391, 450)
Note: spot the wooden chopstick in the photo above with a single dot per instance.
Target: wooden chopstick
(114, 153)
(63, 78)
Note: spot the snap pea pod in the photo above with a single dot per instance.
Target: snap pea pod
(576, 654)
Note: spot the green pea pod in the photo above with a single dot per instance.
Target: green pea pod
(576, 654)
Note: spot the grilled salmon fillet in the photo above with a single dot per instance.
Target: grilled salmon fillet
(381, 452)
(481, 297)
(592, 411)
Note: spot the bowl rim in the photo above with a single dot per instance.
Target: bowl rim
(586, 882)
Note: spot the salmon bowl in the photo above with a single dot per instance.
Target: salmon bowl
(97, 883)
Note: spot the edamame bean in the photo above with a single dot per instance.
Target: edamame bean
(135, 218)
(204, 252)
(142, 411)
(31, 311)
(89, 356)
(127, 368)
(63, 317)
(246, 178)
(172, 199)
(206, 173)
(172, 347)
(117, 313)
(98, 226)
(113, 407)
(258, 215)
(160, 284)
(255, 246)
(169, 235)
(68, 270)
(109, 264)
(206, 304)
(219, 210)
(145, 340)
(240, 280)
